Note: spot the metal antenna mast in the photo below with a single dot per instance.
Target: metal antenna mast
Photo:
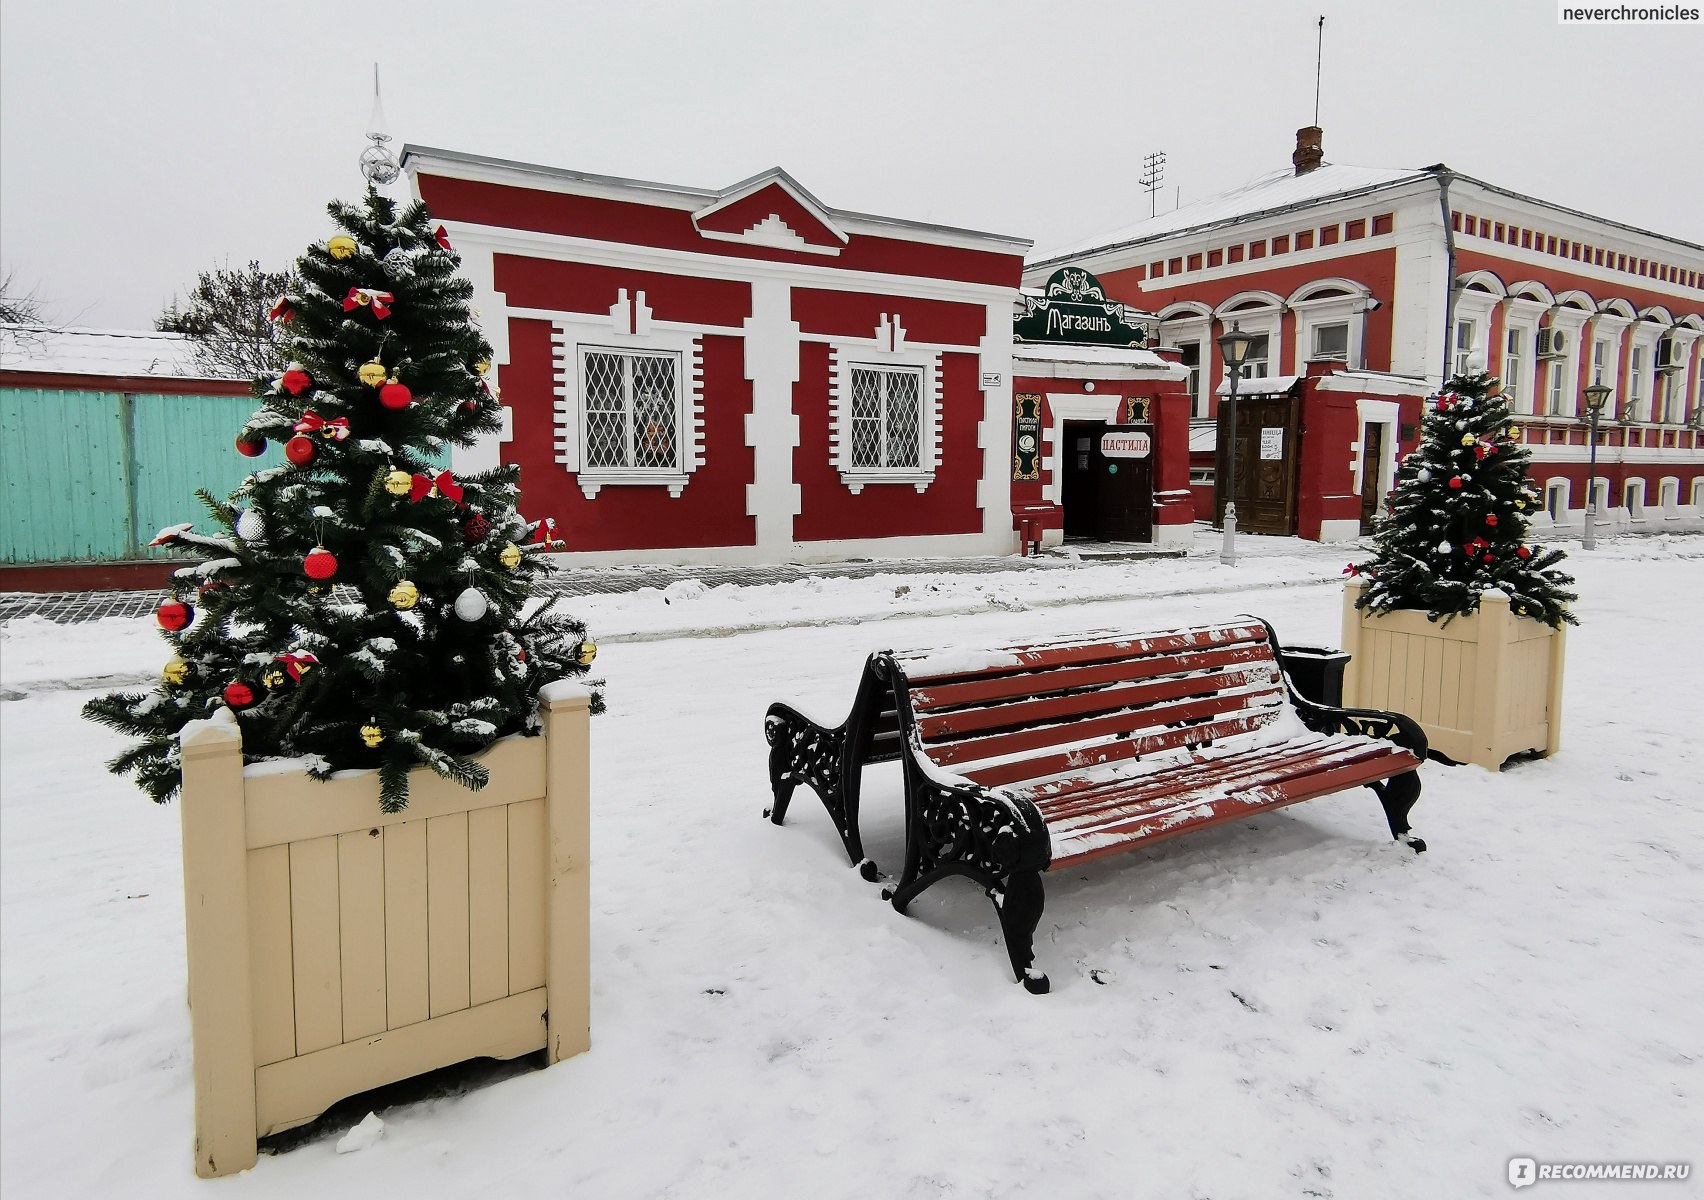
(1153, 170)
(1319, 67)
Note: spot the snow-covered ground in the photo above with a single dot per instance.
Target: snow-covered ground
(1290, 1007)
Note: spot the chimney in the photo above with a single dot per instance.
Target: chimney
(1309, 153)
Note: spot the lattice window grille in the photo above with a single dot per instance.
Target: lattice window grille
(629, 407)
(885, 422)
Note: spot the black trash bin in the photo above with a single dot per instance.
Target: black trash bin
(1316, 672)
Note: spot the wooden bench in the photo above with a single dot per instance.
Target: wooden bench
(1043, 757)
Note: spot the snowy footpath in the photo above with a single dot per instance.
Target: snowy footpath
(1293, 1006)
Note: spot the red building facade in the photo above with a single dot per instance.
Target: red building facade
(1367, 286)
(742, 375)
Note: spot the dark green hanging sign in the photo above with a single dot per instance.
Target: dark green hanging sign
(1073, 308)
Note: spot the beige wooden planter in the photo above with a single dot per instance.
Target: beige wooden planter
(334, 947)
(1483, 687)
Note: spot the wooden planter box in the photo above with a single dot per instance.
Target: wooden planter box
(334, 947)
(1483, 687)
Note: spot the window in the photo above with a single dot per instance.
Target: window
(1258, 363)
(1514, 352)
(1635, 409)
(1331, 341)
(1668, 494)
(1464, 340)
(886, 417)
(1633, 498)
(1556, 500)
(1560, 374)
(1600, 359)
(632, 410)
(1191, 358)
(1201, 476)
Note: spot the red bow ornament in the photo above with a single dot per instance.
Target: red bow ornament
(444, 485)
(546, 530)
(297, 665)
(336, 429)
(379, 302)
(282, 310)
(443, 236)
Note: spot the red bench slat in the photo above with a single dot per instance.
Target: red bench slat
(1218, 811)
(1235, 771)
(1132, 723)
(1109, 663)
(1117, 750)
(1007, 688)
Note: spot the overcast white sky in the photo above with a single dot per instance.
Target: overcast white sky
(143, 142)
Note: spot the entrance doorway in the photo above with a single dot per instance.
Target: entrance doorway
(1265, 483)
(1372, 459)
(1106, 499)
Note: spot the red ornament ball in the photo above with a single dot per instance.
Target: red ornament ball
(1490, 558)
(174, 615)
(238, 694)
(296, 381)
(395, 395)
(1490, 518)
(251, 447)
(1523, 552)
(320, 563)
(476, 528)
(1455, 481)
(300, 450)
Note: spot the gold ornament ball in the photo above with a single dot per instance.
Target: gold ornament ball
(1514, 431)
(398, 483)
(273, 678)
(1520, 503)
(342, 246)
(1467, 439)
(588, 651)
(510, 556)
(372, 735)
(372, 373)
(175, 672)
(405, 595)
(482, 366)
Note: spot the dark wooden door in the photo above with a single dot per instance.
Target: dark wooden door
(1265, 482)
(1126, 493)
(1372, 458)
(1078, 486)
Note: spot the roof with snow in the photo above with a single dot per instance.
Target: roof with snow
(1274, 192)
(1099, 356)
(111, 352)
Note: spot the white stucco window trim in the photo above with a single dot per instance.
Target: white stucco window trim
(1522, 316)
(627, 328)
(1349, 310)
(847, 353)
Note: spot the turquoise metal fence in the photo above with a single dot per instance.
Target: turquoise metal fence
(94, 475)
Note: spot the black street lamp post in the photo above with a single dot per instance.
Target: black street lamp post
(1597, 395)
(1233, 348)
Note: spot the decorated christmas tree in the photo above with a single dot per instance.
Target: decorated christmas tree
(361, 607)
(1456, 523)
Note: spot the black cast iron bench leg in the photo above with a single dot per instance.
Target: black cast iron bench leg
(1398, 795)
(1019, 899)
(801, 751)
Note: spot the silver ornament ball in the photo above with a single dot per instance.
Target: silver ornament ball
(472, 604)
(251, 526)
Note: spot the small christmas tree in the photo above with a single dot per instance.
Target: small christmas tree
(361, 607)
(1456, 522)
